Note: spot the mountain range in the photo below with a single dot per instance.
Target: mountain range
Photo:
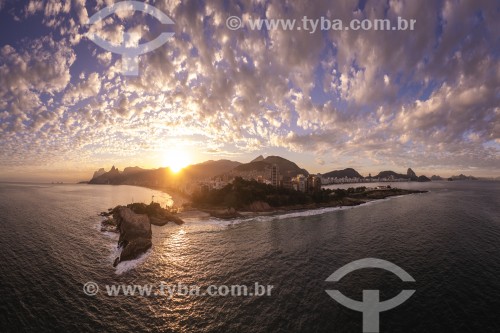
(260, 166)
(162, 177)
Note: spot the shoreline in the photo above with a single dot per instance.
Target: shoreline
(230, 214)
(182, 202)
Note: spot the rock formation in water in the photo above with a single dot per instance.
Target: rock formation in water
(135, 233)
(133, 222)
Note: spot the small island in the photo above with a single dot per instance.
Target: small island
(133, 223)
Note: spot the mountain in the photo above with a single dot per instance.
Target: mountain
(260, 166)
(349, 173)
(132, 170)
(286, 167)
(423, 179)
(132, 176)
(463, 177)
(98, 173)
(209, 169)
(162, 177)
(411, 174)
(388, 174)
(434, 177)
(258, 159)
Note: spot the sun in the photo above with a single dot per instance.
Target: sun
(177, 158)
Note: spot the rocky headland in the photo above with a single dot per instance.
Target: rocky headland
(133, 223)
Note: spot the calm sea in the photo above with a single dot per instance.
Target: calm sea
(447, 239)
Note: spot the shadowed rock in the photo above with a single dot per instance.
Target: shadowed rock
(135, 233)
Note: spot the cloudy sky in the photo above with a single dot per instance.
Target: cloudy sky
(373, 100)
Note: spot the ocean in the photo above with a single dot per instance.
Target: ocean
(448, 240)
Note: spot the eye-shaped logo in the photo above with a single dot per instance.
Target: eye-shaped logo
(371, 305)
(130, 55)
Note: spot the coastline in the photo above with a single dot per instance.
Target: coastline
(229, 214)
(183, 202)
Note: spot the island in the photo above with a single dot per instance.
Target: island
(133, 223)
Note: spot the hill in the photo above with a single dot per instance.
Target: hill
(349, 173)
(389, 174)
(286, 168)
(463, 177)
(162, 177)
(209, 169)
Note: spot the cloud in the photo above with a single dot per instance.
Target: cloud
(429, 96)
(88, 87)
(40, 67)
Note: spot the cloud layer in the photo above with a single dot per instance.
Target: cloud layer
(428, 98)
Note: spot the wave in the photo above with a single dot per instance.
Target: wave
(128, 265)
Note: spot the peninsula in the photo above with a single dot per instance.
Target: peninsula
(249, 196)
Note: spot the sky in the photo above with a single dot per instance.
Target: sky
(427, 98)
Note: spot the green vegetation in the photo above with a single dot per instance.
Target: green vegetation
(241, 193)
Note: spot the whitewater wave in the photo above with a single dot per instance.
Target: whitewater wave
(128, 265)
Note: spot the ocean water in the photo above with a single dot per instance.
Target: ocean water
(448, 240)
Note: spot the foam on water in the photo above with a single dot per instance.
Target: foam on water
(128, 265)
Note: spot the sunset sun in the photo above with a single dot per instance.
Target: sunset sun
(177, 158)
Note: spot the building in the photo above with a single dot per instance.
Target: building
(313, 184)
(275, 175)
(286, 182)
(299, 183)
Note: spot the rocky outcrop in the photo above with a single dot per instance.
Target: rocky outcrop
(411, 174)
(224, 214)
(133, 222)
(259, 206)
(161, 221)
(135, 233)
(423, 179)
(157, 215)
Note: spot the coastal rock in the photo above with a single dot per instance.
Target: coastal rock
(135, 233)
(259, 206)
(161, 221)
(109, 225)
(225, 214)
(135, 248)
(158, 216)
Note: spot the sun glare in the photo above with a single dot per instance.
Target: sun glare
(177, 159)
